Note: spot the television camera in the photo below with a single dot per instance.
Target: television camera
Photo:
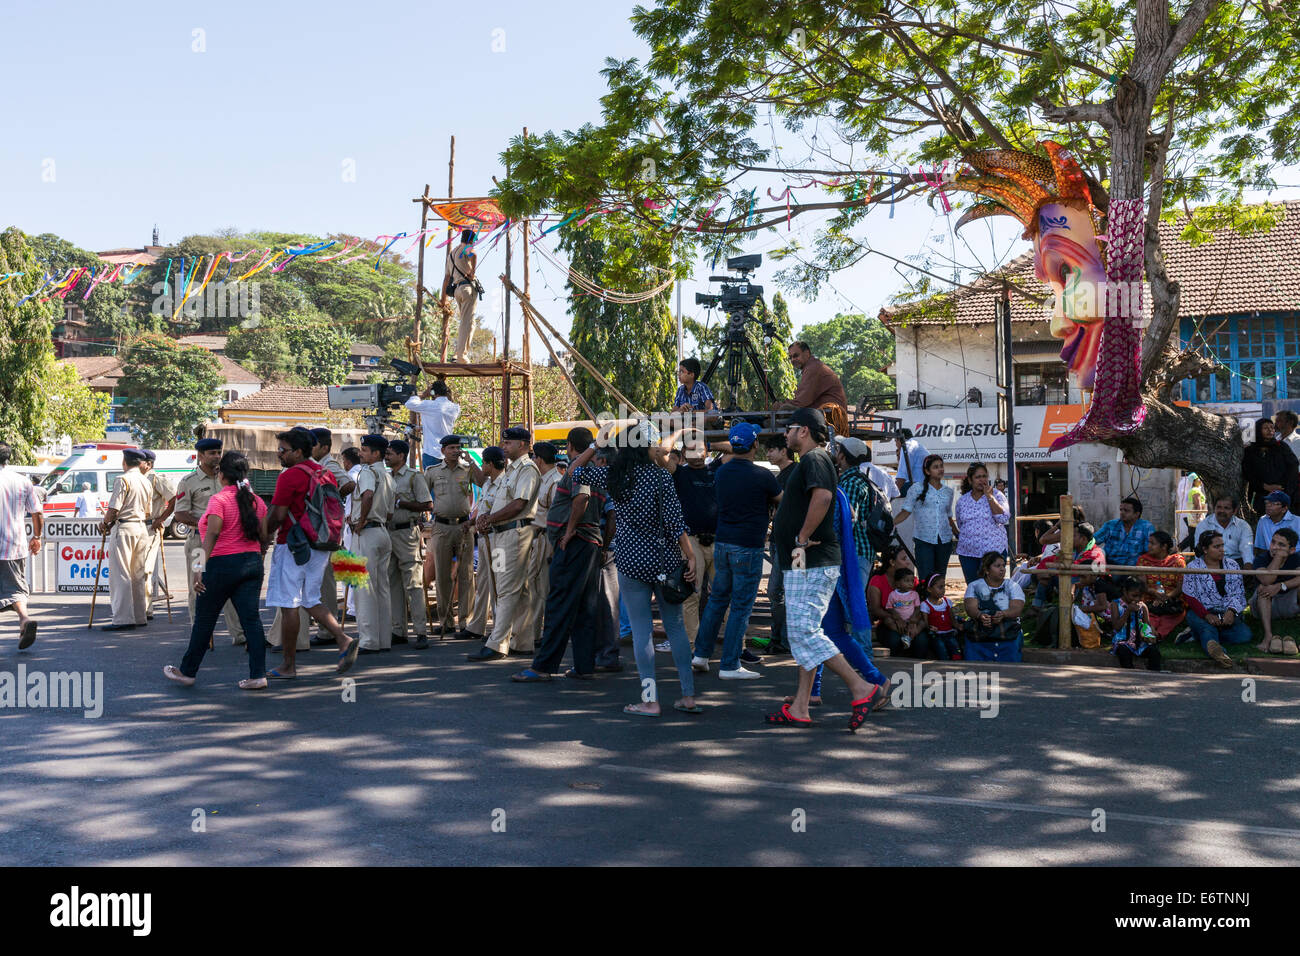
(379, 399)
(737, 300)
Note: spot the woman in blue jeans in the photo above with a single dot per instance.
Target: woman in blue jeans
(1215, 601)
(931, 503)
(232, 553)
(651, 536)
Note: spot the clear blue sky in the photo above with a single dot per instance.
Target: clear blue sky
(254, 131)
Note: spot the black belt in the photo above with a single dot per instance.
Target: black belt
(441, 520)
(132, 520)
(509, 525)
(372, 524)
(401, 527)
(705, 539)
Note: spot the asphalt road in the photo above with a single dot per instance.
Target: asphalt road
(439, 761)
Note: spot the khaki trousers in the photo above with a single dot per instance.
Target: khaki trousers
(466, 298)
(447, 543)
(193, 545)
(329, 596)
(405, 582)
(374, 606)
(703, 574)
(128, 578)
(509, 563)
(537, 575)
(484, 599)
(153, 563)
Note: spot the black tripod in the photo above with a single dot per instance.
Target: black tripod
(734, 350)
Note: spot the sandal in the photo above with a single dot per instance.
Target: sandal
(349, 657)
(883, 700)
(529, 676)
(1275, 646)
(173, 673)
(633, 710)
(1289, 647)
(278, 676)
(576, 676)
(860, 710)
(812, 701)
(783, 717)
(253, 683)
(27, 635)
(693, 709)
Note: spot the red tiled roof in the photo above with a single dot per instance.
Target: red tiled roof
(283, 398)
(105, 371)
(1233, 273)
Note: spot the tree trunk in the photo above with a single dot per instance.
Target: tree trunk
(1179, 436)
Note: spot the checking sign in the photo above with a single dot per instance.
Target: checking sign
(78, 554)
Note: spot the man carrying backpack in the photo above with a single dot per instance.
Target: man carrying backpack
(297, 567)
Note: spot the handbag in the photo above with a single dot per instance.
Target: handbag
(672, 582)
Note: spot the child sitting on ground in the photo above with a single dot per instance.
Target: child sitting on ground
(1132, 621)
(941, 625)
(901, 605)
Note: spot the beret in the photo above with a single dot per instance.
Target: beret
(375, 441)
(516, 433)
(207, 444)
(451, 440)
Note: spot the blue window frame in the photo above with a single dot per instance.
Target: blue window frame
(1256, 350)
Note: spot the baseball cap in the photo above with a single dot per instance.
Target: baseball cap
(810, 418)
(743, 435)
(853, 446)
(1281, 496)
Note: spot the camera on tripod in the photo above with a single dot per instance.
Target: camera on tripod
(378, 398)
(737, 299)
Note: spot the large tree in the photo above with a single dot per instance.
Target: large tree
(72, 407)
(167, 389)
(1162, 102)
(26, 352)
(859, 349)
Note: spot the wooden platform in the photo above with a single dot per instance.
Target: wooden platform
(476, 369)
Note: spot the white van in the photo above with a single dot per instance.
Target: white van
(100, 463)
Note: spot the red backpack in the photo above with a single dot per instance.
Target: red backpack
(322, 519)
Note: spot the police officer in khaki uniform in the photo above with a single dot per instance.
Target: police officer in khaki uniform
(494, 466)
(160, 507)
(451, 483)
(322, 442)
(192, 496)
(128, 516)
(411, 500)
(537, 569)
(510, 531)
(372, 503)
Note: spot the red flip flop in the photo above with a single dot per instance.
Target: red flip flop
(784, 718)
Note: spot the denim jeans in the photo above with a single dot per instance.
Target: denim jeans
(636, 595)
(1204, 631)
(737, 572)
(624, 622)
(236, 578)
(970, 567)
(931, 558)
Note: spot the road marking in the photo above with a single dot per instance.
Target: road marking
(734, 784)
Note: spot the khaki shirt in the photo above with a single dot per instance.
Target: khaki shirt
(520, 480)
(453, 489)
(374, 478)
(409, 485)
(487, 497)
(195, 491)
(545, 495)
(132, 496)
(163, 491)
(332, 465)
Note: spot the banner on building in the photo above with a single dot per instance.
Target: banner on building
(968, 434)
(77, 554)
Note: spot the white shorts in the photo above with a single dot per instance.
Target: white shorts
(295, 585)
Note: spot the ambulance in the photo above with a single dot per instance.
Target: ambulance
(100, 464)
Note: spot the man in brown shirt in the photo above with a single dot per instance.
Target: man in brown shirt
(818, 385)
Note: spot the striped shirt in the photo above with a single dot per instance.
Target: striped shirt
(17, 501)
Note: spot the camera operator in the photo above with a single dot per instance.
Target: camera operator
(437, 420)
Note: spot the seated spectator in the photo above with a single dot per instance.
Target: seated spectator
(1276, 515)
(1163, 593)
(692, 394)
(902, 620)
(819, 386)
(891, 558)
(1276, 595)
(993, 604)
(940, 633)
(1237, 536)
(1215, 600)
(1089, 611)
(1131, 620)
(1127, 536)
(1053, 534)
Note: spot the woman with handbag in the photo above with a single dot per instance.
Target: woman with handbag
(1164, 592)
(653, 554)
(993, 604)
(1215, 601)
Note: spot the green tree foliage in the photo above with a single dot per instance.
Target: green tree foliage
(775, 358)
(107, 312)
(858, 349)
(633, 346)
(262, 350)
(73, 408)
(25, 347)
(301, 349)
(167, 389)
(480, 403)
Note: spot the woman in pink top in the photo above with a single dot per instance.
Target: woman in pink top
(233, 547)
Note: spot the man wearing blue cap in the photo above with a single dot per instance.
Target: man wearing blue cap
(746, 494)
(128, 516)
(1276, 515)
(192, 495)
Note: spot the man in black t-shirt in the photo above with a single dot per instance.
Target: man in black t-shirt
(1276, 595)
(808, 549)
(778, 456)
(694, 481)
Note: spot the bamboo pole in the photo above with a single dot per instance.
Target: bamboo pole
(528, 350)
(563, 371)
(1064, 593)
(414, 353)
(1140, 569)
(528, 305)
(442, 300)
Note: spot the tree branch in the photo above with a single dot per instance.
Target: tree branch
(1077, 113)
